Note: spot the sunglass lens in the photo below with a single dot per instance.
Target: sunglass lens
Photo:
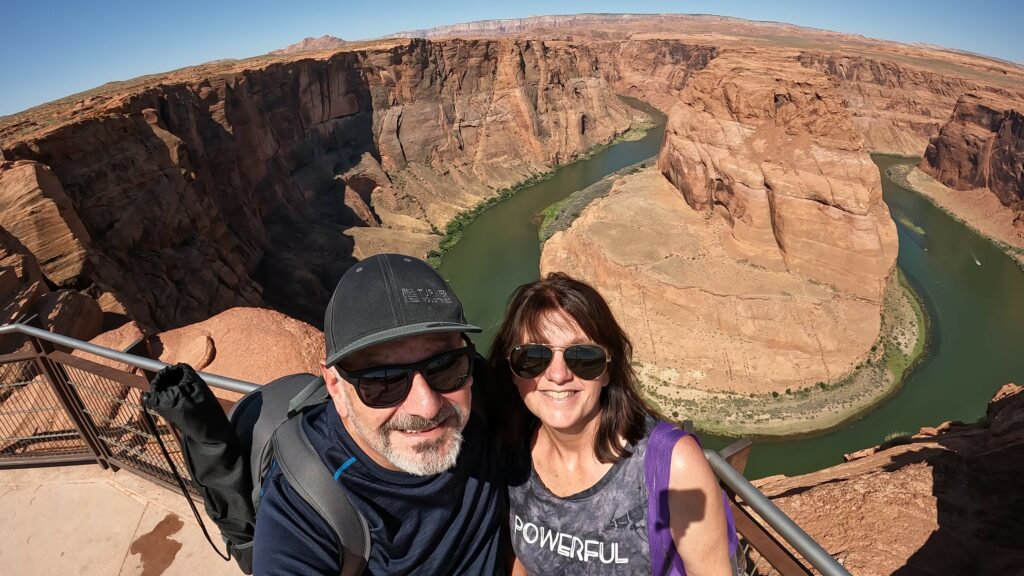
(586, 360)
(449, 372)
(528, 361)
(386, 386)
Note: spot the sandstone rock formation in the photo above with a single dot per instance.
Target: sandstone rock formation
(251, 344)
(699, 318)
(896, 104)
(899, 95)
(24, 293)
(231, 184)
(654, 70)
(768, 145)
(982, 146)
(21, 280)
(38, 212)
(945, 501)
(258, 182)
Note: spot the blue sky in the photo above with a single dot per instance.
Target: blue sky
(52, 49)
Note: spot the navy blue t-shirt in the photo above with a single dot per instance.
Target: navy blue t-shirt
(443, 524)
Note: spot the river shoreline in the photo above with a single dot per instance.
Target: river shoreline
(822, 407)
(812, 410)
(913, 180)
(453, 231)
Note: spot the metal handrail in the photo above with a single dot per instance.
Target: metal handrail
(733, 479)
(777, 519)
(132, 360)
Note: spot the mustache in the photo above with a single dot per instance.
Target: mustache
(417, 423)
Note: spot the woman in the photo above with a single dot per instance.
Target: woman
(578, 499)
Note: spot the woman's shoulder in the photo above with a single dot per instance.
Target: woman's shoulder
(684, 446)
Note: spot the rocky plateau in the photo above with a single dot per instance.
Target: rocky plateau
(946, 500)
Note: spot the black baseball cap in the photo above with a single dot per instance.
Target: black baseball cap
(387, 297)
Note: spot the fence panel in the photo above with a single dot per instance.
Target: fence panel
(34, 425)
(111, 403)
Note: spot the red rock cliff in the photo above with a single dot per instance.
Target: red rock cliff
(944, 501)
(981, 146)
(231, 183)
(767, 144)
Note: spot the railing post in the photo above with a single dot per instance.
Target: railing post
(68, 399)
(737, 453)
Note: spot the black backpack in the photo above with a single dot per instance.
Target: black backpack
(228, 457)
(268, 421)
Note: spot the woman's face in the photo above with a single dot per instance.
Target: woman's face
(557, 397)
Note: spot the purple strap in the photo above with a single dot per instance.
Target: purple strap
(665, 560)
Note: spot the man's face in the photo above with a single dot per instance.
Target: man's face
(423, 434)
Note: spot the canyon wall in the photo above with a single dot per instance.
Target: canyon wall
(754, 260)
(254, 183)
(981, 146)
(768, 145)
(654, 70)
(896, 106)
(171, 197)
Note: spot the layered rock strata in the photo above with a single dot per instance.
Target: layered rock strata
(981, 146)
(898, 94)
(26, 293)
(943, 501)
(231, 185)
(654, 70)
(897, 104)
(756, 261)
(767, 145)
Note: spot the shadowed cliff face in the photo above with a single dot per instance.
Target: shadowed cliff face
(183, 198)
(259, 182)
(945, 501)
(653, 70)
(982, 146)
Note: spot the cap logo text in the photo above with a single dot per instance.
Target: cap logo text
(425, 296)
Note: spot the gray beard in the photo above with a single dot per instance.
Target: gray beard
(427, 458)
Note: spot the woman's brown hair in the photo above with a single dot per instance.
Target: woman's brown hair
(623, 411)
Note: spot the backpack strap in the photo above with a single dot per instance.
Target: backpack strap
(665, 560)
(657, 466)
(302, 467)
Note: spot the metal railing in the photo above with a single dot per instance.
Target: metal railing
(61, 408)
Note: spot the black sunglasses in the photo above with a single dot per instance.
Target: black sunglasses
(587, 361)
(386, 386)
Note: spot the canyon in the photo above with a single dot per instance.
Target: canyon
(258, 183)
(754, 258)
(170, 198)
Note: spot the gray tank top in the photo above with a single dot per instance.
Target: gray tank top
(602, 530)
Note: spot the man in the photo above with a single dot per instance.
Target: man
(398, 434)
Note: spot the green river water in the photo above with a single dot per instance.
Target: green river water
(973, 292)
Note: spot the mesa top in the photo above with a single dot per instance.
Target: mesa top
(602, 530)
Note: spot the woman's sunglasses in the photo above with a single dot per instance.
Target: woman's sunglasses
(587, 361)
(386, 386)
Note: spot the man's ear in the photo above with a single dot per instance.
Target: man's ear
(334, 384)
